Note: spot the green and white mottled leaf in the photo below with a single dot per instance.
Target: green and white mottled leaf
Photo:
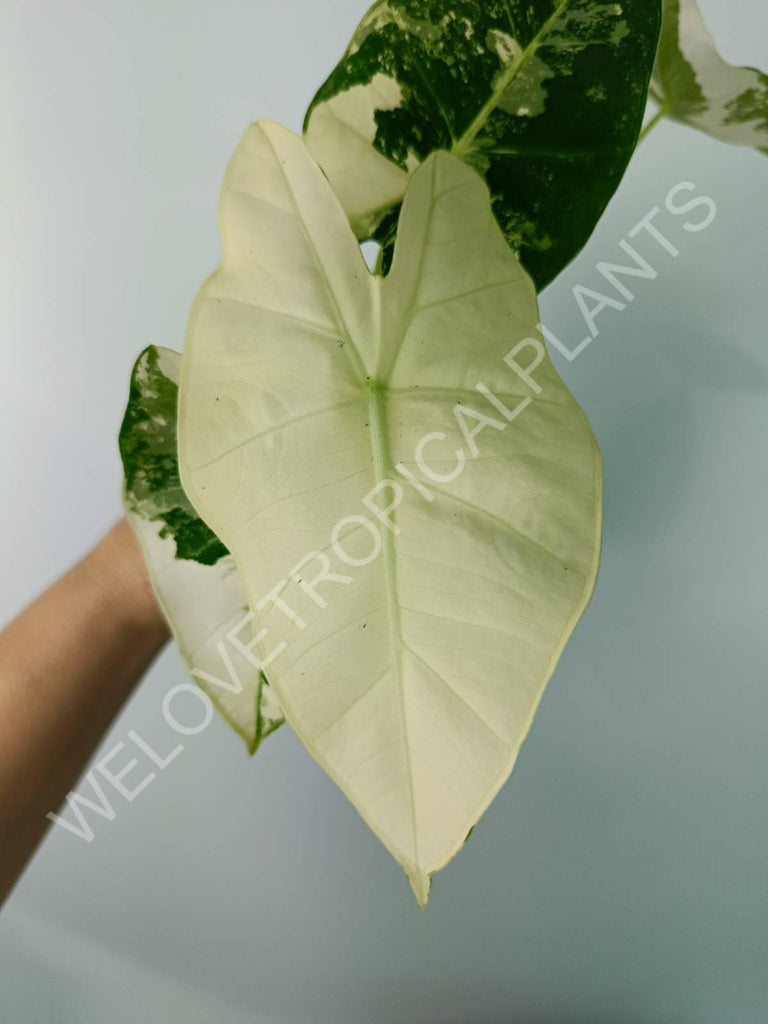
(544, 97)
(306, 380)
(695, 85)
(192, 573)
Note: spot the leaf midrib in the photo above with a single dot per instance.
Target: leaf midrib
(383, 470)
(464, 142)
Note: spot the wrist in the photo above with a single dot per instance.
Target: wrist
(117, 569)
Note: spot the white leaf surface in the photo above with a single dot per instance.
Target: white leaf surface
(695, 85)
(197, 587)
(413, 676)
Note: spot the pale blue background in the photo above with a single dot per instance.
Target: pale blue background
(622, 874)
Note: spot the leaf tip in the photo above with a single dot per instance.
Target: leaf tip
(421, 883)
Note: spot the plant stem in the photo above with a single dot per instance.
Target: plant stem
(658, 116)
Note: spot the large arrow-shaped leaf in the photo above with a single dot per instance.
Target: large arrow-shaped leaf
(192, 573)
(695, 85)
(545, 97)
(409, 647)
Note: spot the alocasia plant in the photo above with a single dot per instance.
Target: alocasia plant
(414, 649)
(544, 97)
(693, 84)
(410, 495)
(193, 574)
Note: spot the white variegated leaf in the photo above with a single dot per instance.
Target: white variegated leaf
(545, 98)
(313, 391)
(193, 575)
(695, 85)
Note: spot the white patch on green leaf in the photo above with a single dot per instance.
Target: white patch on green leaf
(341, 131)
(695, 85)
(507, 87)
(413, 680)
(505, 46)
(526, 96)
(382, 14)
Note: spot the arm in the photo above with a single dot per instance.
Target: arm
(67, 664)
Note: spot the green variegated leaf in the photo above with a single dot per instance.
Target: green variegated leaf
(192, 573)
(544, 97)
(693, 83)
(412, 496)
